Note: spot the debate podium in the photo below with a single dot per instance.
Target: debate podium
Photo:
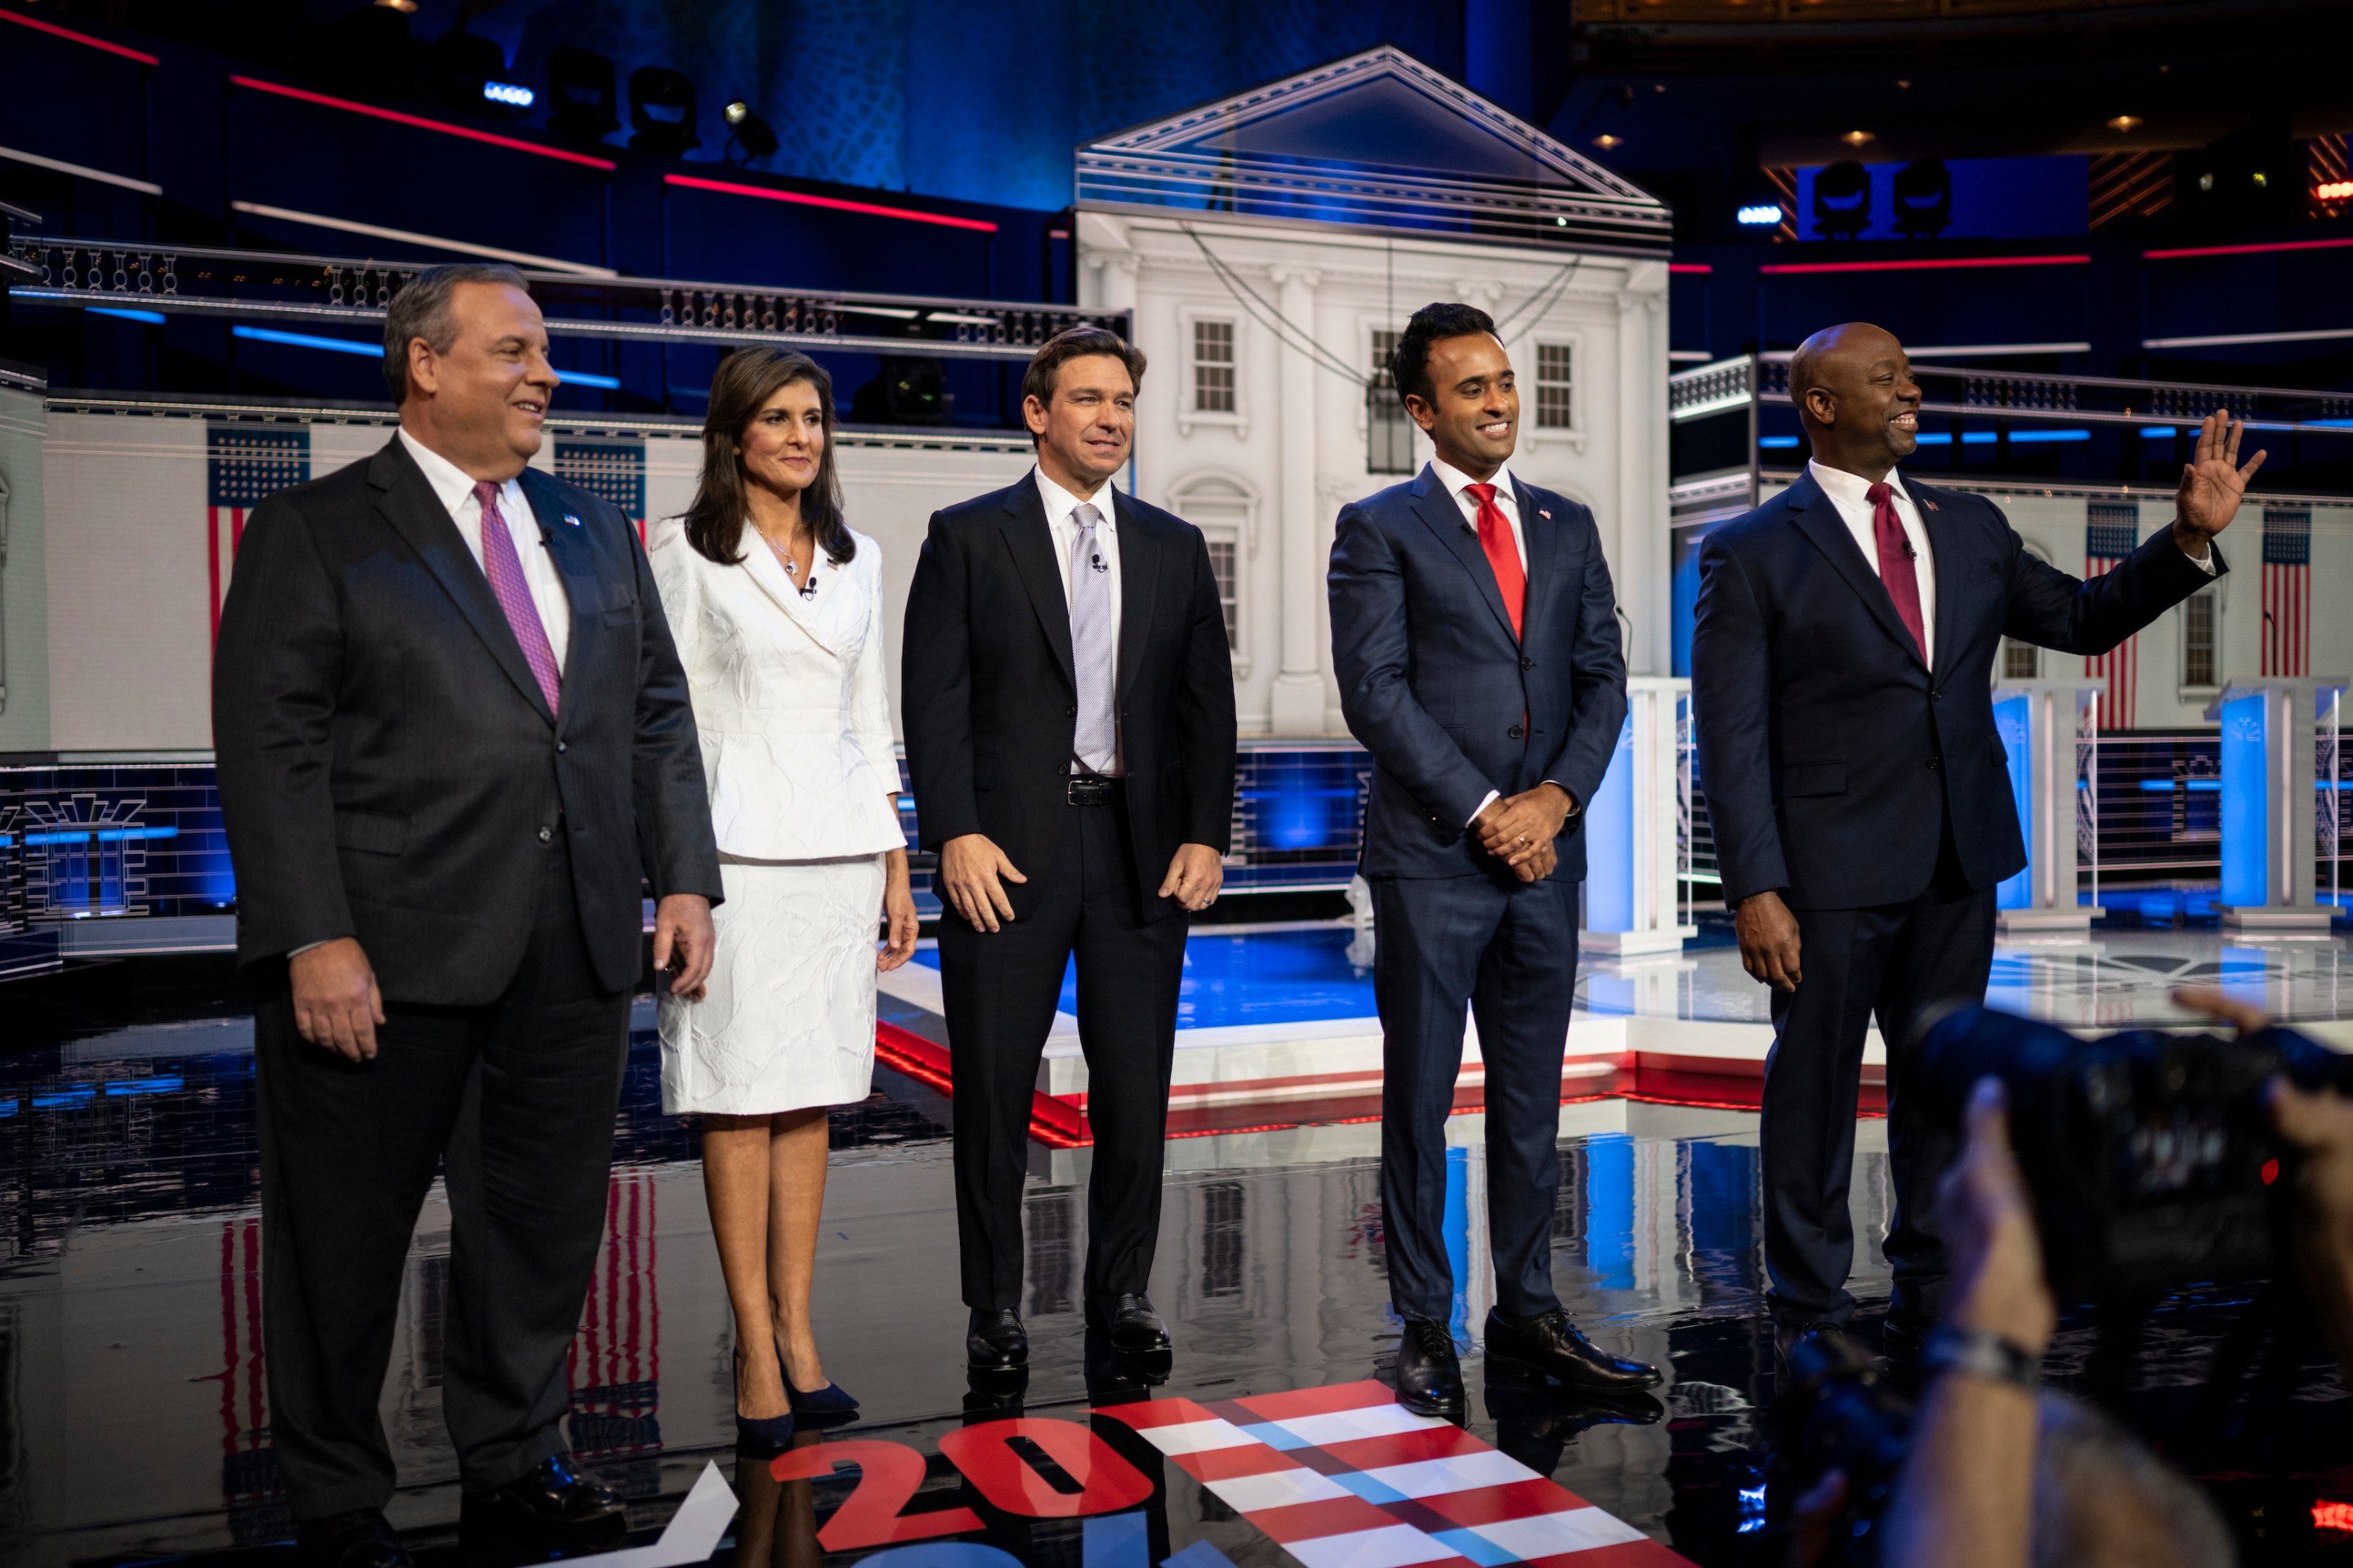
(1634, 829)
(2040, 723)
(2270, 803)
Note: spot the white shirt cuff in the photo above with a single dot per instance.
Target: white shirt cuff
(1492, 796)
(2204, 563)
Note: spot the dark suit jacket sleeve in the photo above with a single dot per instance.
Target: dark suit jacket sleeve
(1597, 681)
(2074, 615)
(935, 691)
(1370, 650)
(672, 800)
(1205, 712)
(277, 670)
(1731, 697)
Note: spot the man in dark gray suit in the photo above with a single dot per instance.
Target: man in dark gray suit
(453, 740)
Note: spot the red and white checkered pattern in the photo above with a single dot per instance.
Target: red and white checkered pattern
(1345, 1477)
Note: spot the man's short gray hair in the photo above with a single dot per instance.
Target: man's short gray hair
(421, 309)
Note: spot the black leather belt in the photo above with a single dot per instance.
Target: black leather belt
(1094, 789)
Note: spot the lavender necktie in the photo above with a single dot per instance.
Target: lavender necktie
(1093, 658)
(504, 569)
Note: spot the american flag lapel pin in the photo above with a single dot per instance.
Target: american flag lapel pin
(571, 519)
(1543, 514)
(1928, 503)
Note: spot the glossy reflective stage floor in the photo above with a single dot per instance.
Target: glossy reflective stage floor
(134, 1425)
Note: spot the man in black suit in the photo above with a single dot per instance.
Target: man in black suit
(1841, 678)
(454, 740)
(1068, 700)
(1475, 635)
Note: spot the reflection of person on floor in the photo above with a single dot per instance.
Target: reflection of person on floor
(1841, 683)
(454, 742)
(777, 608)
(1475, 636)
(776, 1521)
(1068, 700)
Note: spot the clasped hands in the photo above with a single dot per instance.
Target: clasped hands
(973, 874)
(1519, 830)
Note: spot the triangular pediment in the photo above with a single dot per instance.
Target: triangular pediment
(1377, 140)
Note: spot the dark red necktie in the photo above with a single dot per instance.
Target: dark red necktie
(1895, 570)
(1503, 551)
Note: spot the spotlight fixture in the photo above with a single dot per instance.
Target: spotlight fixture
(1606, 141)
(1760, 215)
(398, 4)
(462, 65)
(1923, 199)
(748, 131)
(2206, 182)
(2335, 190)
(662, 108)
(580, 95)
(1842, 200)
(1857, 138)
(2124, 123)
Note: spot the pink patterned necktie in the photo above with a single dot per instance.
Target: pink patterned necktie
(504, 569)
(1895, 568)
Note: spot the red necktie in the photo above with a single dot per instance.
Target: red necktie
(1895, 570)
(1503, 551)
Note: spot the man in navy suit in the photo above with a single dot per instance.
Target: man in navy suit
(1842, 679)
(1475, 635)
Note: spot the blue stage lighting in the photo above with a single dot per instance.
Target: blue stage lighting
(589, 378)
(306, 340)
(513, 94)
(1763, 214)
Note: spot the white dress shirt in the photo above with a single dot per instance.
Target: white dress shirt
(1059, 504)
(1507, 501)
(456, 490)
(1850, 496)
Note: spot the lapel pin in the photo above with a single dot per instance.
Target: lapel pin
(1543, 514)
(1928, 503)
(571, 519)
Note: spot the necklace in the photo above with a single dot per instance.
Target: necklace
(792, 570)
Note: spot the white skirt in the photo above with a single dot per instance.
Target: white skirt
(788, 1018)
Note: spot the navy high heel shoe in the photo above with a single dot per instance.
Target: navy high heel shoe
(831, 1399)
(771, 1433)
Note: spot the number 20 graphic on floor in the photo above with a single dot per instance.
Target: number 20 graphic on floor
(890, 1473)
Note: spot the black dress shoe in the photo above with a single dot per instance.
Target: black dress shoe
(1549, 1343)
(1429, 1376)
(1132, 1326)
(994, 1340)
(1789, 1331)
(551, 1497)
(360, 1539)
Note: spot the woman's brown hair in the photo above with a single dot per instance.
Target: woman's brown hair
(745, 382)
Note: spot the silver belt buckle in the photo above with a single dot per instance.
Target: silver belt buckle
(1088, 790)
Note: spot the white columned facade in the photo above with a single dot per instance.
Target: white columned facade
(1298, 696)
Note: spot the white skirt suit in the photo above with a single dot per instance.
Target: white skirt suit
(790, 698)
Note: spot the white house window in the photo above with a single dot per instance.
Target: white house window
(1555, 384)
(2019, 661)
(1388, 428)
(1225, 550)
(1213, 368)
(2200, 640)
(1225, 510)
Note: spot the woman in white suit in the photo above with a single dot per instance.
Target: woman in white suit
(777, 606)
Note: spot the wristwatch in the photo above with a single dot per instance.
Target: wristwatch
(1979, 1352)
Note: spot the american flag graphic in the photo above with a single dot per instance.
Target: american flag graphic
(611, 470)
(2112, 532)
(2287, 590)
(248, 1464)
(616, 1365)
(243, 466)
(1344, 1476)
